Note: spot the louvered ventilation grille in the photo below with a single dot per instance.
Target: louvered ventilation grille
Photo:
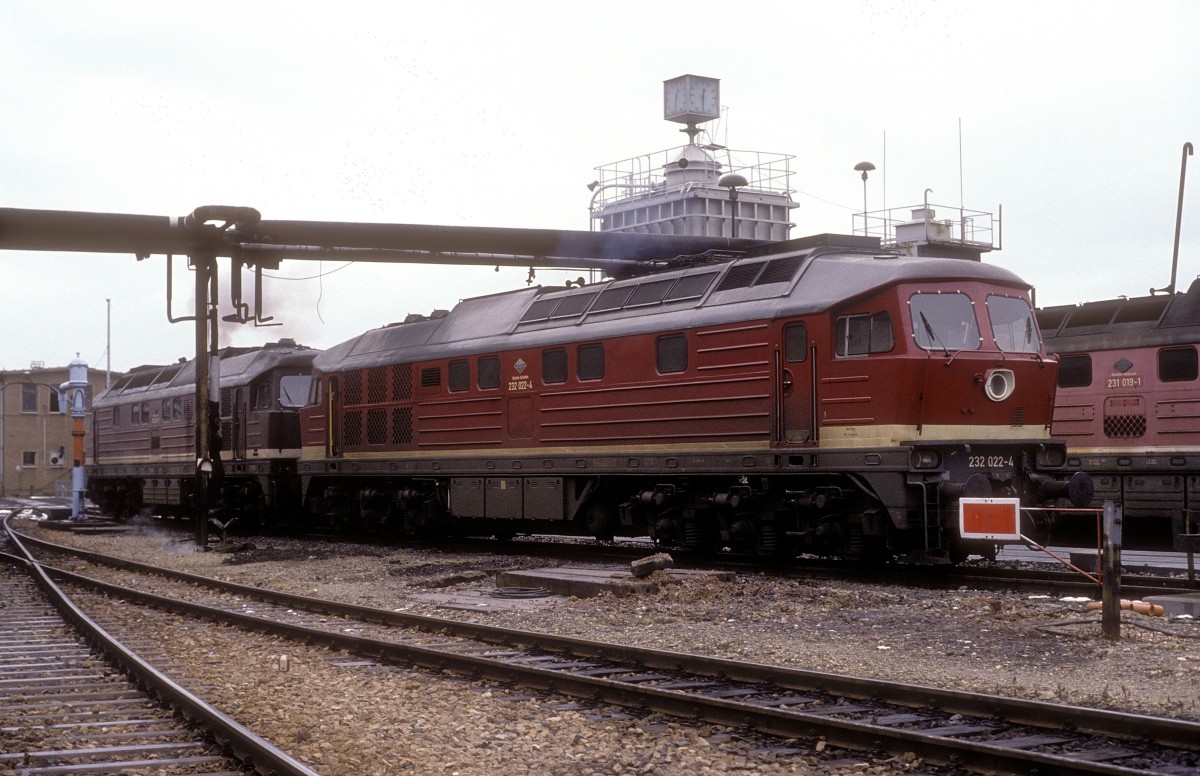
(402, 426)
(740, 276)
(353, 388)
(1124, 426)
(377, 385)
(401, 382)
(352, 429)
(376, 427)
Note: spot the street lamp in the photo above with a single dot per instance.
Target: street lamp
(732, 181)
(864, 168)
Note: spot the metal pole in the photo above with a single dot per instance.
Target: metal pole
(1187, 151)
(1110, 617)
(204, 268)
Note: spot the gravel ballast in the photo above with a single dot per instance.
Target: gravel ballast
(362, 720)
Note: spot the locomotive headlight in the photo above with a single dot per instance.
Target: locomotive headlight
(924, 459)
(999, 384)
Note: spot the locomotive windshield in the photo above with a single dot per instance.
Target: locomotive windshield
(293, 390)
(1013, 325)
(944, 322)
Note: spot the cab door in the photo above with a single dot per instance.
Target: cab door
(333, 415)
(795, 386)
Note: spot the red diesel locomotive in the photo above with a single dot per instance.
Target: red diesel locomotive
(1128, 405)
(144, 435)
(818, 395)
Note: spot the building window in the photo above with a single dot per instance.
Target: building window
(28, 458)
(671, 354)
(54, 408)
(28, 397)
(590, 362)
(489, 372)
(1075, 371)
(459, 375)
(1177, 364)
(554, 366)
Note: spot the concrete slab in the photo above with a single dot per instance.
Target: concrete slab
(87, 526)
(1177, 604)
(483, 601)
(590, 582)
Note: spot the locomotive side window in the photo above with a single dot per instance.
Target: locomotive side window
(944, 322)
(795, 343)
(1075, 371)
(489, 372)
(116, 416)
(135, 415)
(671, 354)
(262, 396)
(1177, 364)
(590, 362)
(554, 366)
(166, 410)
(858, 335)
(177, 409)
(293, 390)
(459, 377)
(1013, 325)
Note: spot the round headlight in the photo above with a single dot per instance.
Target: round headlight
(999, 384)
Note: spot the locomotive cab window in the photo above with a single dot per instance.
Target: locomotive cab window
(489, 372)
(554, 366)
(590, 362)
(1075, 371)
(944, 322)
(1177, 364)
(459, 375)
(858, 335)
(671, 354)
(293, 390)
(1013, 325)
(795, 343)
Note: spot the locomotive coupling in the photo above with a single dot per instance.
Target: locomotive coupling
(1079, 488)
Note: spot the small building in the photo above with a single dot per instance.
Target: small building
(35, 435)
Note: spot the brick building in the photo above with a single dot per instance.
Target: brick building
(35, 438)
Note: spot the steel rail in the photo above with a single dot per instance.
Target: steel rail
(790, 722)
(244, 743)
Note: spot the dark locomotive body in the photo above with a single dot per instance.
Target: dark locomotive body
(823, 396)
(1128, 405)
(144, 435)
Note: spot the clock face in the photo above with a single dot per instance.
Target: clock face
(691, 99)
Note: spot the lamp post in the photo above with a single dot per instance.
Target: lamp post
(732, 181)
(864, 168)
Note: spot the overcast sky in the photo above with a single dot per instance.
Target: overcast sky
(1073, 117)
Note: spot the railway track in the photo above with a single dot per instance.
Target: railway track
(74, 700)
(973, 731)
